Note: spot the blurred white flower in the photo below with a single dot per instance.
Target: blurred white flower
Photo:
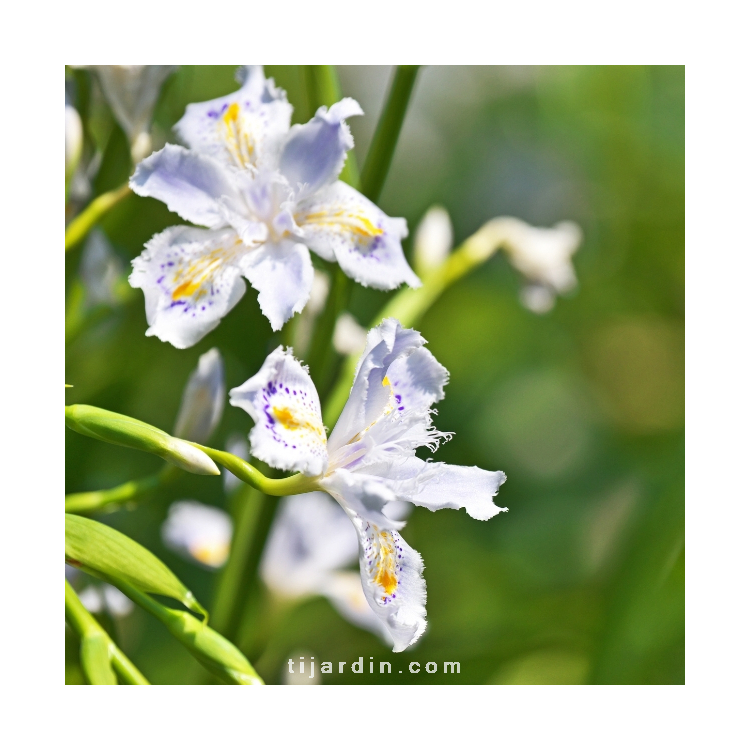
(309, 545)
(348, 336)
(200, 533)
(101, 270)
(433, 240)
(537, 298)
(102, 597)
(202, 400)
(132, 91)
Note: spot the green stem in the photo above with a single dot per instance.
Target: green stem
(92, 633)
(231, 584)
(322, 358)
(82, 224)
(384, 141)
(294, 485)
(89, 502)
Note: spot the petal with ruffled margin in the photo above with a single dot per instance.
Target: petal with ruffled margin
(191, 280)
(243, 129)
(412, 384)
(391, 573)
(192, 185)
(369, 398)
(282, 272)
(314, 153)
(437, 485)
(282, 399)
(339, 220)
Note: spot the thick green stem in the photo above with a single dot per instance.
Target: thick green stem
(294, 485)
(97, 645)
(384, 141)
(84, 222)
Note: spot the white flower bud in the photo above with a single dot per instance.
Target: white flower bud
(132, 91)
(189, 458)
(101, 269)
(202, 400)
(73, 140)
(542, 255)
(433, 240)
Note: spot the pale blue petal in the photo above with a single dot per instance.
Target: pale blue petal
(282, 272)
(369, 397)
(190, 278)
(194, 186)
(314, 153)
(243, 129)
(339, 220)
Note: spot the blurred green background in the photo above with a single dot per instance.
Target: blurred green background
(583, 407)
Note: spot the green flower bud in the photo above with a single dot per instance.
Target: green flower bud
(132, 433)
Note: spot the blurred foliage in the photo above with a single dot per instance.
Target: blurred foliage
(583, 408)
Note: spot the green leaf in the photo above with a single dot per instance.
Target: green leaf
(106, 553)
(218, 655)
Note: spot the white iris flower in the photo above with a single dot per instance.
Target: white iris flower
(267, 194)
(368, 463)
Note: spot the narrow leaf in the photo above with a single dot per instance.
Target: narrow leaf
(106, 553)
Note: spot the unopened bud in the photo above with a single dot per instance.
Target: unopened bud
(188, 457)
(433, 240)
(132, 433)
(202, 400)
(73, 140)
